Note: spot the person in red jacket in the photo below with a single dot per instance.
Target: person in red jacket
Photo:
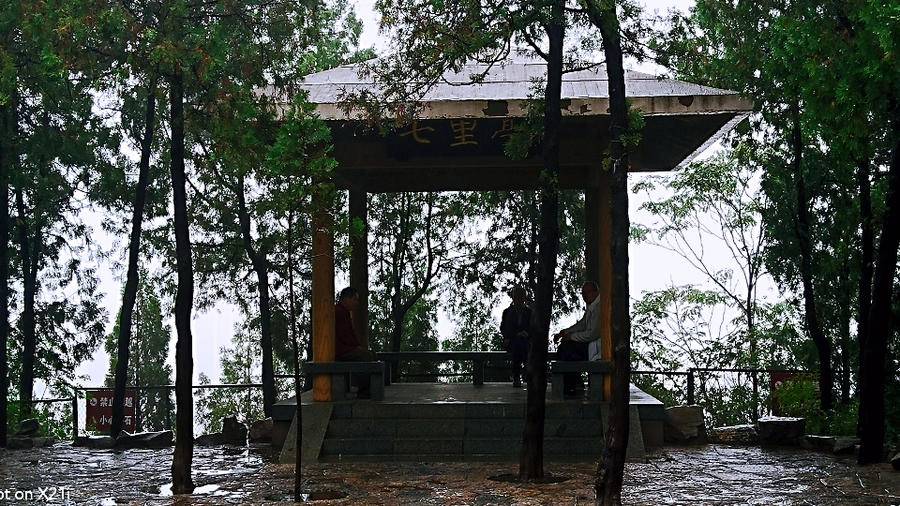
(347, 346)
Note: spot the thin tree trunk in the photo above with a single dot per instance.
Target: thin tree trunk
(134, 248)
(531, 460)
(298, 414)
(184, 362)
(872, 368)
(611, 469)
(7, 157)
(261, 268)
(396, 339)
(813, 325)
(27, 251)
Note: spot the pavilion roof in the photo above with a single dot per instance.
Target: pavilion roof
(507, 86)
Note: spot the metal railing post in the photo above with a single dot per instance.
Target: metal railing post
(74, 413)
(755, 397)
(690, 387)
(168, 409)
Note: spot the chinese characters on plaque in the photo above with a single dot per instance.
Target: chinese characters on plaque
(98, 415)
(451, 136)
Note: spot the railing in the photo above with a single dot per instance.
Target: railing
(720, 397)
(478, 359)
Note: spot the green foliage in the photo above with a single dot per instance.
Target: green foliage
(55, 419)
(800, 397)
(239, 364)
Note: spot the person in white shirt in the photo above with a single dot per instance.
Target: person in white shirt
(582, 340)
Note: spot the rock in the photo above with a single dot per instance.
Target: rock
(896, 462)
(233, 431)
(734, 435)
(19, 443)
(29, 427)
(146, 440)
(261, 431)
(42, 442)
(95, 442)
(23, 443)
(213, 439)
(685, 424)
(819, 443)
(845, 445)
(781, 430)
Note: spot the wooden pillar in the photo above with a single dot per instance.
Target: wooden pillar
(598, 260)
(359, 261)
(322, 299)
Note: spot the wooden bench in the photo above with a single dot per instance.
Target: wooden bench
(595, 369)
(340, 376)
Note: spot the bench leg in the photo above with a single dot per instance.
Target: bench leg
(339, 387)
(595, 387)
(556, 386)
(376, 386)
(478, 373)
(387, 374)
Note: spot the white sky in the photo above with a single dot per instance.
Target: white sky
(213, 329)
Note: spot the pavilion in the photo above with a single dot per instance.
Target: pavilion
(456, 144)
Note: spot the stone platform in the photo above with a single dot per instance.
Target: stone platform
(457, 421)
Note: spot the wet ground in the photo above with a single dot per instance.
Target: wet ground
(697, 475)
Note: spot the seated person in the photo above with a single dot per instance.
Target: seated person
(582, 340)
(347, 347)
(515, 326)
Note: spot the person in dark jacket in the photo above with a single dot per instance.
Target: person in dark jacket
(515, 327)
(347, 346)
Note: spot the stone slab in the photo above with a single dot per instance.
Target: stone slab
(315, 423)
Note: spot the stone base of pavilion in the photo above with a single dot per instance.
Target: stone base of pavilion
(456, 422)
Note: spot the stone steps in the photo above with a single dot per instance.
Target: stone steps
(459, 448)
(477, 427)
(457, 431)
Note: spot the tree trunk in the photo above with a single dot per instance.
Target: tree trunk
(845, 311)
(867, 258)
(611, 469)
(28, 252)
(872, 368)
(813, 325)
(134, 249)
(261, 268)
(7, 143)
(184, 296)
(359, 262)
(396, 338)
(531, 460)
(298, 414)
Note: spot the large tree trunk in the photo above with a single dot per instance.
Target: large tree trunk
(845, 315)
(28, 254)
(867, 257)
(611, 469)
(134, 248)
(184, 296)
(531, 460)
(7, 144)
(261, 268)
(872, 368)
(813, 325)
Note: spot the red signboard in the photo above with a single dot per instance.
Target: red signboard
(98, 415)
